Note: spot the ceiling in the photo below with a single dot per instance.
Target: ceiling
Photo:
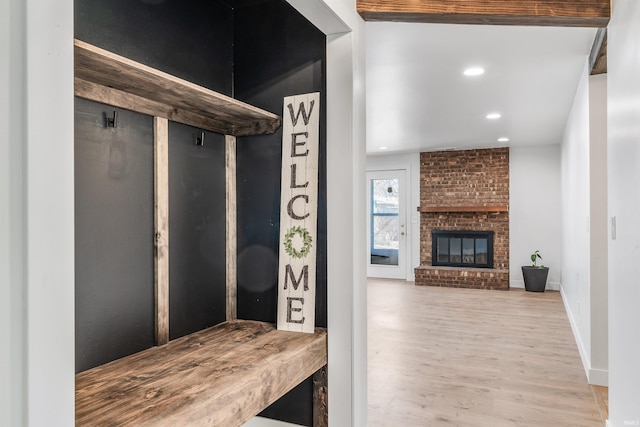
(418, 98)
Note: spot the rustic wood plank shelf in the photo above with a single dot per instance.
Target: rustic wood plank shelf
(443, 209)
(105, 77)
(220, 376)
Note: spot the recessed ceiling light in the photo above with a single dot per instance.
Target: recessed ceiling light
(493, 116)
(474, 71)
(383, 148)
(503, 139)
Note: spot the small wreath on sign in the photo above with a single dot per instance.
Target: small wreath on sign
(306, 242)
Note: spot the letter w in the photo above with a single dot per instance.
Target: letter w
(301, 109)
(296, 282)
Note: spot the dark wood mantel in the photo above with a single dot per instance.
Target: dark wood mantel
(435, 209)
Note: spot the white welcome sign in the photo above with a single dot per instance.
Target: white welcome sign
(299, 213)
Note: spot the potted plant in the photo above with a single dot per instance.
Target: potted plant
(535, 276)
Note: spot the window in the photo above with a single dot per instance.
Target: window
(385, 221)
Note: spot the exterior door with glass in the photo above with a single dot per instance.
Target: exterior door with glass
(386, 224)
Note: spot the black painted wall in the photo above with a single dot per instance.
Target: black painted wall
(197, 240)
(277, 53)
(189, 39)
(114, 294)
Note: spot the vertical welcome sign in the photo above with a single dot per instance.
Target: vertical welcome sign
(299, 213)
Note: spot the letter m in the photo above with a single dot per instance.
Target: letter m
(304, 276)
(301, 109)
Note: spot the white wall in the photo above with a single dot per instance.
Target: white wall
(535, 211)
(575, 220)
(36, 199)
(624, 204)
(598, 371)
(411, 163)
(12, 325)
(584, 225)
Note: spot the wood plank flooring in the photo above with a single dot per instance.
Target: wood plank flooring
(460, 357)
(601, 395)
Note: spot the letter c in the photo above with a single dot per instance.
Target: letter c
(290, 211)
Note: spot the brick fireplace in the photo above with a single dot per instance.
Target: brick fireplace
(465, 191)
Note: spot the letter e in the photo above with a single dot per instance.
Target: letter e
(291, 309)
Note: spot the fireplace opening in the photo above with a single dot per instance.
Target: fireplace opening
(462, 248)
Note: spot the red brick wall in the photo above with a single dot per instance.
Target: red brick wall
(452, 277)
(464, 179)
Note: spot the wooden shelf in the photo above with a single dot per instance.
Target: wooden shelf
(435, 209)
(105, 77)
(220, 376)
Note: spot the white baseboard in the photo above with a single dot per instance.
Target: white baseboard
(516, 283)
(552, 286)
(584, 356)
(599, 377)
(594, 376)
(266, 422)
(608, 424)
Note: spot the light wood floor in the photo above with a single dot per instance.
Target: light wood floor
(601, 395)
(459, 357)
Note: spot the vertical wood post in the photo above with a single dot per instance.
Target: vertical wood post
(320, 398)
(161, 224)
(231, 236)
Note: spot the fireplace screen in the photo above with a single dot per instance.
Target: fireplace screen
(462, 248)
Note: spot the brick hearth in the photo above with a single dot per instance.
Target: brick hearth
(471, 180)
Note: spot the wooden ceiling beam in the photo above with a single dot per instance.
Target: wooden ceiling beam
(559, 13)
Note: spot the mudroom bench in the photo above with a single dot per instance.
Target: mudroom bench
(220, 376)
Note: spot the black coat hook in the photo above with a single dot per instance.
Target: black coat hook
(200, 141)
(112, 122)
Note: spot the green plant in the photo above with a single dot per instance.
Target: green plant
(534, 259)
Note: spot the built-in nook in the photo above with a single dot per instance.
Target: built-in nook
(178, 144)
(464, 212)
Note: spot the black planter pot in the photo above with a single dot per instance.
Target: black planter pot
(535, 278)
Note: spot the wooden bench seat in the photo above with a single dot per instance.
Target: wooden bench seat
(220, 376)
